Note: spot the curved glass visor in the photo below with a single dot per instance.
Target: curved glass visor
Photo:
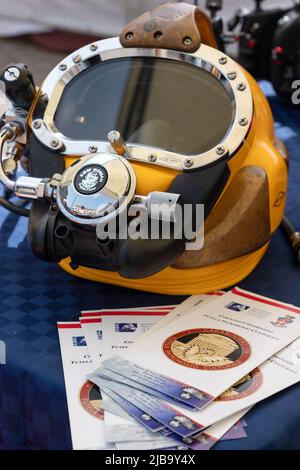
(156, 102)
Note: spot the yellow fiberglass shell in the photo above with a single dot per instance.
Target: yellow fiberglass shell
(259, 150)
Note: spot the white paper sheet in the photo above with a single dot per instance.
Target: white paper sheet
(84, 401)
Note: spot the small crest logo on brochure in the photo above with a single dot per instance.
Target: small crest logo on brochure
(125, 327)
(244, 387)
(79, 341)
(283, 322)
(236, 307)
(91, 399)
(207, 349)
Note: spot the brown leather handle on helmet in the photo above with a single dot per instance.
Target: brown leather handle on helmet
(178, 26)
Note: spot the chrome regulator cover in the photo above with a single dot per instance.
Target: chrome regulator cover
(96, 189)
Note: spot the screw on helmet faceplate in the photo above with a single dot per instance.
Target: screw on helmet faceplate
(220, 150)
(243, 122)
(188, 162)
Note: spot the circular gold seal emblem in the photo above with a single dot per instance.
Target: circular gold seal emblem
(244, 387)
(91, 399)
(207, 349)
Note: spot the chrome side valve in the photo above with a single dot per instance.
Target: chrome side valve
(25, 186)
(9, 132)
(163, 206)
(31, 188)
(158, 205)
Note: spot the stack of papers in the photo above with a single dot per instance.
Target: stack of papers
(176, 377)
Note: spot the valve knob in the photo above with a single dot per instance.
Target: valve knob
(20, 88)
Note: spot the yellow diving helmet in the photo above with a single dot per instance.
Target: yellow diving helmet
(156, 125)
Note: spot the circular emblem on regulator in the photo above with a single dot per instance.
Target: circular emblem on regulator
(207, 349)
(90, 179)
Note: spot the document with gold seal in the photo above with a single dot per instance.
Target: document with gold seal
(196, 358)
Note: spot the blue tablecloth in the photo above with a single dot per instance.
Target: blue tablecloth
(34, 295)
